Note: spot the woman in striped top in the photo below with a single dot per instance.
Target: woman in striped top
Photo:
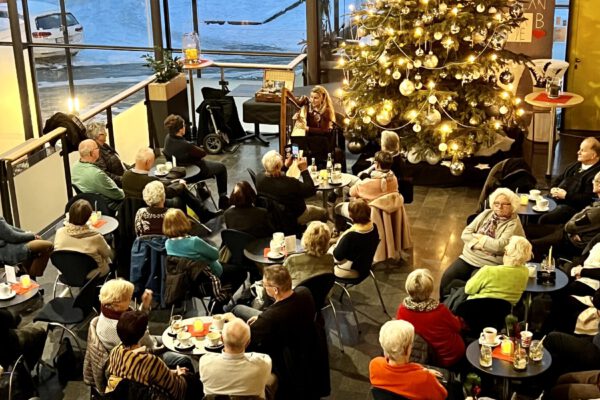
(130, 361)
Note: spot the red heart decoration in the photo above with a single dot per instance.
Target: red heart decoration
(539, 33)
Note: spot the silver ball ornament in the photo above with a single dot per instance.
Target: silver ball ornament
(407, 87)
(457, 168)
(480, 7)
(506, 77)
(416, 128)
(438, 35)
(396, 75)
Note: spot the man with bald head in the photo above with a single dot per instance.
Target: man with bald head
(235, 372)
(135, 180)
(88, 178)
(573, 189)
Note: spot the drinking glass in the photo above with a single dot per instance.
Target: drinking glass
(337, 173)
(536, 350)
(485, 356)
(520, 359)
(547, 265)
(176, 323)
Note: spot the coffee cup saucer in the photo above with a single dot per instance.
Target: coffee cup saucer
(538, 209)
(275, 256)
(183, 347)
(8, 296)
(497, 341)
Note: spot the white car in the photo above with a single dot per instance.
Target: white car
(46, 28)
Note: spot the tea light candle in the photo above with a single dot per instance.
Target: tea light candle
(198, 326)
(507, 347)
(524, 199)
(25, 281)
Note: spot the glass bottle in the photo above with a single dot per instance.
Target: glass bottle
(329, 164)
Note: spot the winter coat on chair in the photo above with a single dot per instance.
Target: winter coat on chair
(387, 212)
(13, 249)
(149, 251)
(96, 358)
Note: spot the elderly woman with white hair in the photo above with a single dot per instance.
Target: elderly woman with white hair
(109, 160)
(287, 191)
(315, 260)
(432, 320)
(507, 281)
(149, 220)
(485, 238)
(394, 373)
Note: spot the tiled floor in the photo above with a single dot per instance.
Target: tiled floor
(437, 217)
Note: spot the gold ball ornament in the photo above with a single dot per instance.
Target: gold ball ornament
(503, 110)
(396, 75)
(432, 118)
(407, 87)
(480, 8)
(438, 35)
(443, 147)
(443, 7)
(432, 99)
(457, 168)
(454, 29)
(416, 128)
(430, 61)
(366, 119)
(384, 118)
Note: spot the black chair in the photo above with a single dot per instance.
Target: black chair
(319, 287)
(131, 390)
(382, 394)
(236, 242)
(480, 313)
(74, 268)
(94, 199)
(252, 175)
(63, 311)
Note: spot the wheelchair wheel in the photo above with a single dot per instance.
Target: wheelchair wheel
(213, 143)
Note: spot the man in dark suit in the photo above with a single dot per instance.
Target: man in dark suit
(573, 189)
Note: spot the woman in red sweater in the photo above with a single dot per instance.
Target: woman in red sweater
(395, 373)
(432, 320)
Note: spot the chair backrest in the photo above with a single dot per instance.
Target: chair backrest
(319, 286)
(87, 298)
(95, 200)
(282, 221)
(382, 394)
(252, 175)
(131, 390)
(74, 266)
(480, 313)
(236, 242)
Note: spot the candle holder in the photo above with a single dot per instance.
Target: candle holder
(553, 86)
(190, 44)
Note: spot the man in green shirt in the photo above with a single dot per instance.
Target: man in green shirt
(88, 178)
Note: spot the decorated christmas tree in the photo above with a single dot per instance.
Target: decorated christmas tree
(434, 71)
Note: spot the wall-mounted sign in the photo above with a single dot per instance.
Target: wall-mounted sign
(534, 36)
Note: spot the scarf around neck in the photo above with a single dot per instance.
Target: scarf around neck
(489, 227)
(422, 306)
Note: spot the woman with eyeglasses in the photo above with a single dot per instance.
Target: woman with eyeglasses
(485, 238)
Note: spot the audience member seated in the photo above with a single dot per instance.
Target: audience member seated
(287, 332)
(115, 298)
(187, 153)
(353, 253)
(572, 353)
(176, 227)
(244, 216)
(381, 181)
(393, 372)
(485, 238)
(149, 220)
(176, 192)
(390, 143)
(315, 260)
(235, 372)
(25, 248)
(573, 189)
(572, 313)
(130, 360)
(28, 340)
(289, 192)
(109, 160)
(431, 320)
(89, 178)
(577, 386)
(76, 235)
(507, 281)
(568, 240)
(587, 276)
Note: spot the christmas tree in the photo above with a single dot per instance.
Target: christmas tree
(435, 72)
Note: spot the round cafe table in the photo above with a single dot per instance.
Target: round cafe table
(503, 369)
(565, 100)
(526, 210)
(199, 344)
(190, 172)
(327, 187)
(109, 226)
(255, 251)
(20, 299)
(533, 286)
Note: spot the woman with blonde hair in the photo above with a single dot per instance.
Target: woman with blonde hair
(432, 320)
(321, 113)
(315, 260)
(485, 238)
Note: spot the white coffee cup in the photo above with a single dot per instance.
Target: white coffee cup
(184, 337)
(532, 270)
(214, 338)
(218, 321)
(542, 203)
(534, 194)
(4, 289)
(161, 169)
(169, 166)
(279, 236)
(489, 334)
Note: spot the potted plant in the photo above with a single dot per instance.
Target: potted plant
(169, 79)
(167, 95)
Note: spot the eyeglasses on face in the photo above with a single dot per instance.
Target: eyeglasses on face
(499, 204)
